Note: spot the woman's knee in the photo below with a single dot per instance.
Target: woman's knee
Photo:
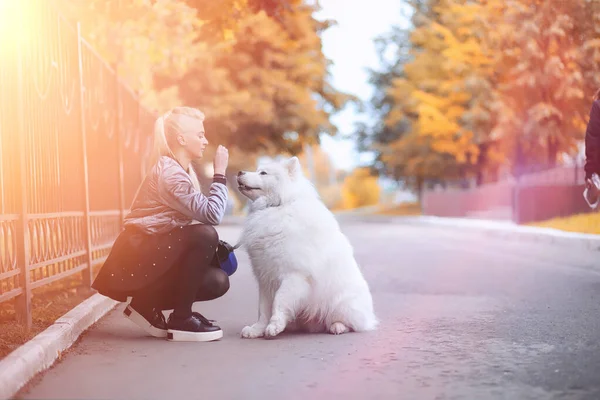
(203, 234)
(221, 282)
(215, 284)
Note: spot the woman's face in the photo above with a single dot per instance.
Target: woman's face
(192, 136)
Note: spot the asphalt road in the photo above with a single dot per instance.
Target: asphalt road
(463, 317)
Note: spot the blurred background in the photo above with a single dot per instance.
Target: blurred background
(420, 100)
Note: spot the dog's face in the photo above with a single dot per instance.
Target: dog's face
(270, 181)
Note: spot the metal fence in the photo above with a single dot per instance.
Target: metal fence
(73, 143)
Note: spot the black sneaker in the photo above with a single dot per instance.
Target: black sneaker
(203, 319)
(152, 321)
(192, 329)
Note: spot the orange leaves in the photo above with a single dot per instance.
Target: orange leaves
(434, 88)
(360, 189)
(444, 95)
(543, 91)
(491, 75)
(255, 67)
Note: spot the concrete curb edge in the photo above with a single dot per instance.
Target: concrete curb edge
(511, 231)
(40, 353)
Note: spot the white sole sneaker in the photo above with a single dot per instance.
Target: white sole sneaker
(140, 321)
(185, 336)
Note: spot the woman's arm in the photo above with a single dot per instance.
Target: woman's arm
(592, 142)
(176, 190)
(592, 154)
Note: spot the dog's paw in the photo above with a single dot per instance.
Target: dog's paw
(252, 332)
(337, 328)
(273, 329)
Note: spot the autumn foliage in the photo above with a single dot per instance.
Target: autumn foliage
(360, 189)
(255, 67)
(474, 87)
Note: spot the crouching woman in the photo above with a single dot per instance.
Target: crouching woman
(163, 259)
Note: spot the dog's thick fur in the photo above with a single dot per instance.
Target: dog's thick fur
(307, 276)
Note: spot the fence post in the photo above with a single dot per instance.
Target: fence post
(139, 127)
(23, 302)
(516, 212)
(87, 273)
(119, 147)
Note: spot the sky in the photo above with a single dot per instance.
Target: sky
(349, 45)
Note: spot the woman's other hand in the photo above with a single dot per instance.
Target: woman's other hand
(593, 191)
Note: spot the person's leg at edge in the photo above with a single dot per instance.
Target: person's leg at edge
(197, 281)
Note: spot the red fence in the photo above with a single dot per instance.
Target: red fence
(461, 203)
(534, 197)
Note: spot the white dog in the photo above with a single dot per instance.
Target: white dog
(307, 275)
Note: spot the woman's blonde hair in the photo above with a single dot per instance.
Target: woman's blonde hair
(166, 128)
(597, 95)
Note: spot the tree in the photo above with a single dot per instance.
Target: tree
(541, 112)
(222, 17)
(261, 77)
(587, 26)
(255, 67)
(433, 99)
(140, 39)
(380, 134)
(360, 189)
(272, 91)
(462, 99)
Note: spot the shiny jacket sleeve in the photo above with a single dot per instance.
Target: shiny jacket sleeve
(176, 190)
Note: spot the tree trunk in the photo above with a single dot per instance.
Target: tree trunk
(419, 187)
(552, 151)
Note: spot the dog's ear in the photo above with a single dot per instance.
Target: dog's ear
(293, 167)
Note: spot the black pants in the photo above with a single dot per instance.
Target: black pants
(192, 279)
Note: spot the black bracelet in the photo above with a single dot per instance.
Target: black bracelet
(220, 178)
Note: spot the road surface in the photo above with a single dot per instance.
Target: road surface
(463, 317)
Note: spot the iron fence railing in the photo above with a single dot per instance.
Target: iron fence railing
(73, 143)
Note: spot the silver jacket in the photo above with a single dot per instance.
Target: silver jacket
(167, 199)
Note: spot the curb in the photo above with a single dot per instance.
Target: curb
(38, 354)
(511, 231)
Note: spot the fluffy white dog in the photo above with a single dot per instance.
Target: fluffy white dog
(307, 276)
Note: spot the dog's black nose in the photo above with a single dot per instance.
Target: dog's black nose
(240, 173)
